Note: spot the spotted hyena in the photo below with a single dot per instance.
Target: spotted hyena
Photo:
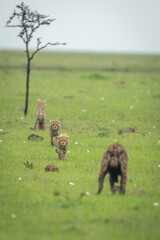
(114, 162)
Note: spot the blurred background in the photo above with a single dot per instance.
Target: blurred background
(109, 26)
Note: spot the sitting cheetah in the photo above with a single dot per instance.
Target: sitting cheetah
(54, 130)
(40, 115)
(62, 143)
(114, 162)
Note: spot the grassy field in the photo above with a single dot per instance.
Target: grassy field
(81, 93)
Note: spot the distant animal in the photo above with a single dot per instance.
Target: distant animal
(40, 115)
(51, 168)
(62, 144)
(54, 130)
(34, 137)
(114, 162)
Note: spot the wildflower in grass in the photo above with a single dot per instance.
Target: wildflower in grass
(87, 193)
(155, 204)
(83, 110)
(102, 98)
(113, 121)
(88, 151)
(76, 142)
(131, 107)
(153, 127)
(68, 151)
(1, 141)
(158, 165)
(13, 215)
(22, 118)
(24, 142)
(1, 130)
(71, 183)
(115, 140)
(20, 178)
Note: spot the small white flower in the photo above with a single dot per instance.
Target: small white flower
(115, 140)
(20, 178)
(68, 151)
(1, 141)
(24, 142)
(71, 183)
(13, 215)
(88, 151)
(102, 98)
(76, 142)
(153, 127)
(155, 204)
(131, 107)
(158, 165)
(87, 193)
(1, 130)
(83, 110)
(22, 118)
(113, 121)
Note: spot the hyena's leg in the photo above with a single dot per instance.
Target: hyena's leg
(103, 172)
(123, 177)
(111, 181)
(37, 125)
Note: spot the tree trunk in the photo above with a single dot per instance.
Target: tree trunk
(27, 86)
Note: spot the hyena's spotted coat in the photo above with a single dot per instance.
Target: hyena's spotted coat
(114, 162)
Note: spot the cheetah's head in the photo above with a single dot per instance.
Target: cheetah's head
(41, 104)
(63, 140)
(55, 124)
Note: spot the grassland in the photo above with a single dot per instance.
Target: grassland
(106, 93)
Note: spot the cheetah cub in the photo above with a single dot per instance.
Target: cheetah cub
(114, 162)
(40, 115)
(62, 143)
(54, 130)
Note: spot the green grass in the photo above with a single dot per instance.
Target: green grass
(40, 213)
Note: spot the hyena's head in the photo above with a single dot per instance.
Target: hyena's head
(41, 104)
(55, 124)
(63, 140)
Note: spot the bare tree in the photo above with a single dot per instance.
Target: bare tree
(29, 22)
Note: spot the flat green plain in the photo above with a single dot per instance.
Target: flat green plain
(95, 96)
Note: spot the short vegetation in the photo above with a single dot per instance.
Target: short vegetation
(107, 94)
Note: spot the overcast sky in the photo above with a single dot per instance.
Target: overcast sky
(91, 25)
